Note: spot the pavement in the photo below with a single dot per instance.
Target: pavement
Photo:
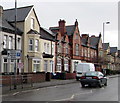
(54, 82)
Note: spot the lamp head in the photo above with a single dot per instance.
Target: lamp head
(107, 22)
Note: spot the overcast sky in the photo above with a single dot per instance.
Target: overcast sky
(90, 15)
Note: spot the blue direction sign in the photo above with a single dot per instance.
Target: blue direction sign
(14, 54)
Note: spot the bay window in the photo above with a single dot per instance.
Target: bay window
(10, 42)
(36, 45)
(31, 44)
(5, 42)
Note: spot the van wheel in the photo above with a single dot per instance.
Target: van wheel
(77, 79)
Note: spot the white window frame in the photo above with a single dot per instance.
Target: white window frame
(32, 23)
(51, 66)
(19, 43)
(66, 65)
(48, 46)
(45, 47)
(52, 48)
(10, 46)
(36, 62)
(77, 49)
(4, 64)
(46, 65)
(36, 45)
(31, 45)
(5, 41)
(59, 63)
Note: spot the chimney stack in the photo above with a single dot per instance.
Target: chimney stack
(93, 36)
(62, 27)
(76, 23)
(85, 35)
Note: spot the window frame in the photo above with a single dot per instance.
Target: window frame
(32, 45)
(77, 49)
(36, 46)
(32, 23)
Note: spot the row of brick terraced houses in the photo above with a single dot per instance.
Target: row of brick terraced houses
(57, 49)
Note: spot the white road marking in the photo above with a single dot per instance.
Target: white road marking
(74, 96)
(16, 93)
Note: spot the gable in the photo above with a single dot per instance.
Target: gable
(32, 15)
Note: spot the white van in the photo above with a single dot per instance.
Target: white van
(82, 68)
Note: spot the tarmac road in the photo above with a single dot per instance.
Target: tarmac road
(68, 92)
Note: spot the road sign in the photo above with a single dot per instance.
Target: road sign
(20, 65)
(14, 54)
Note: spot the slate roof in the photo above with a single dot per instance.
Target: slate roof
(113, 49)
(84, 41)
(22, 13)
(9, 28)
(105, 46)
(7, 25)
(32, 32)
(94, 41)
(47, 34)
(49, 31)
(69, 29)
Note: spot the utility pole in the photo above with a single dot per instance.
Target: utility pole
(15, 68)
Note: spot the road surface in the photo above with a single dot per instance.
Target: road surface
(69, 92)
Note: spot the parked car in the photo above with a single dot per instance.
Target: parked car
(93, 78)
(82, 68)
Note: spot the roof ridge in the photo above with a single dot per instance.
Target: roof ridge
(70, 25)
(19, 7)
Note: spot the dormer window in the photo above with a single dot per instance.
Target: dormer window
(32, 23)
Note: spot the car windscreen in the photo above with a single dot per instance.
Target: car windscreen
(91, 74)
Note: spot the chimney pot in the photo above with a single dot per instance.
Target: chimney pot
(93, 36)
(85, 35)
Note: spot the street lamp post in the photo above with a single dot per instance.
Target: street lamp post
(104, 28)
(103, 38)
(15, 68)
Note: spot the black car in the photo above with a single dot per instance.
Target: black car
(93, 78)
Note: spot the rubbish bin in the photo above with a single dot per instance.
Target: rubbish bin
(63, 76)
(48, 76)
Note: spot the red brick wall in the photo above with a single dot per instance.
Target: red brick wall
(36, 77)
(9, 79)
(76, 40)
(70, 75)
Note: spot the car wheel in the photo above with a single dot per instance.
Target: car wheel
(105, 83)
(83, 85)
(100, 85)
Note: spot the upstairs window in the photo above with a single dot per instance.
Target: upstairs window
(32, 23)
(36, 45)
(48, 48)
(45, 49)
(77, 36)
(77, 49)
(5, 41)
(10, 42)
(52, 48)
(19, 43)
(66, 50)
(30, 44)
